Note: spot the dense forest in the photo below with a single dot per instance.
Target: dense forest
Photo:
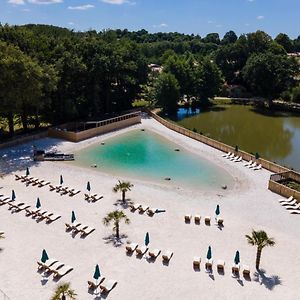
(52, 75)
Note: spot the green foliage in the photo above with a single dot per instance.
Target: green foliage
(284, 40)
(167, 92)
(295, 94)
(64, 291)
(116, 217)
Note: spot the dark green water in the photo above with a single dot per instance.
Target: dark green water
(275, 137)
(146, 155)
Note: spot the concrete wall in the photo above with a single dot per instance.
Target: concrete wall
(283, 190)
(83, 135)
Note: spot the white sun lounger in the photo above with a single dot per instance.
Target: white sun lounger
(209, 264)
(252, 165)
(49, 262)
(21, 207)
(6, 200)
(93, 286)
(167, 255)
(143, 208)
(290, 199)
(151, 211)
(246, 270)
(62, 271)
(293, 202)
(239, 159)
(196, 261)
(72, 225)
(96, 197)
(131, 247)
(259, 167)
(295, 212)
(141, 250)
(54, 267)
(74, 192)
(52, 217)
(154, 253)
(220, 265)
(235, 268)
(15, 204)
(108, 285)
(135, 206)
(26, 178)
(233, 158)
(227, 154)
(250, 162)
(230, 156)
(87, 230)
(41, 184)
(293, 207)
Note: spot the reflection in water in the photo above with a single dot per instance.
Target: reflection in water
(275, 137)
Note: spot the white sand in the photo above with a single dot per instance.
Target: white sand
(248, 205)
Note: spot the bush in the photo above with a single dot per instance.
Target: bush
(296, 94)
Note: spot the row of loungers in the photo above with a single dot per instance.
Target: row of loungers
(166, 256)
(142, 208)
(92, 197)
(32, 180)
(77, 227)
(253, 165)
(63, 190)
(53, 266)
(15, 206)
(220, 266)
(40, 215)
(232, 157)
(188, 218)
(106, 285)
(250, 164)
(291, 204)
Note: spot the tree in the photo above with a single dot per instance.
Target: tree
(268, 75)
(284, 40)
(116, 217)
(261, 240)
(123, 186)
(212, 38)
(63, 291)
(229, 38)
(167, 92)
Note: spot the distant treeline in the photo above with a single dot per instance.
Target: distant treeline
(52, 75)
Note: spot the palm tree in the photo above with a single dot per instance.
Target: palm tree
(123, 186)
(62, 291)
(261, 240)
(116, 216)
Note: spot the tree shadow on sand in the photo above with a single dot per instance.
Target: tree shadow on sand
(268, 281)
(117, 242)
(123, 204)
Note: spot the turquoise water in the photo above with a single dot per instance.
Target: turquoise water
(146, 155)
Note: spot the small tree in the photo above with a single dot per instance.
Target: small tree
(261, 240)
(123, 186)
(63, 291)
(115, 217)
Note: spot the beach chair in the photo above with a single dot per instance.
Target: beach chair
(187, 218)
(196, 261)
(95, 197)
(41, 215)
(21, 207)
(230, 156)
(108, 285)
(220, 265)
(293, 207)
(62, 271)
(197, 219)
(209, 264)
(141, 250)
(239, 159)
(32, 180)
(72, 226)
(26, 178)
(220, 221)
(15, 204)
(135, 206)
(207, 220)
(30, 212)
(154, 253)
(86, 231)
(79, 228)
(143, 208)
(131, 247)
(252, 166)
(6, 200)
(151, 211)
(18, 177)
(283, 200)
(52, 217)
(293, 202)
(74, 192)
(246, 271)
(92, 286)
(86, 196)
(44, 183)
(227, 154)
(259, 167)
(233, 158)
(50, 262)
(250, 162)
(235, 268)
(167, 255)
(295, 212)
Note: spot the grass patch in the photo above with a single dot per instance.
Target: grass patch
(292, 184)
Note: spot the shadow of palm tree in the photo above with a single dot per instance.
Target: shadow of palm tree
(125, 204)
(268, 281)
(117, 242)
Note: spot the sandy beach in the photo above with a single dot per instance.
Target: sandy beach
(247, 205)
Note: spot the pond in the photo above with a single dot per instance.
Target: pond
(274, 135)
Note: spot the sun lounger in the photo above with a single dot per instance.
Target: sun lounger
(21, 207)
(233, 158)
(54, 267)
(286, 200)
(220, 221)
(18, 177)
(151, 211)
(108, 285)
(86, 196)
(295, 212)
(227, 154)
(235, 268)
(96, 197)
(72, 225)
(26, 178)
(15, 204)
(197, 219)
(44, 183)
(230, 156)
(41, 214)
(32, 180)
(74, 192)
(220, 265)
(207, 220)
(6, 200)
(250, 162)
(197, 261)
(209, 264)
(293, 202)
(135, 206)
(141, 250)
(79, 227)
(131, 247)
(87, 230)
(239, 159)
(93, 286)
(50, 262)
(154, 253)
(259, 167)
(30, 212)
(293, 207)
(246, 271)
(167, 255)
(252, 166)
(187, 218)
(52, 217)
(143, 208)
(62, 271)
